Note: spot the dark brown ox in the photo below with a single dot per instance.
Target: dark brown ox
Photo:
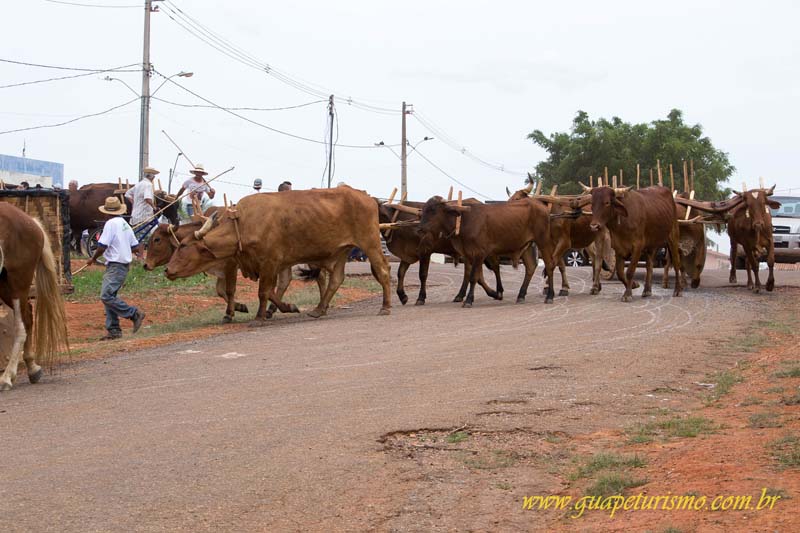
(166, 239)
(273, 231)
(486, 230)
(751, 226)
(572, 232)
(640, 222)
(404, 243)
(692, 246)
(25, 254)
(83, 204)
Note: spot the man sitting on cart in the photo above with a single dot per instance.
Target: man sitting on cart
(142, 197)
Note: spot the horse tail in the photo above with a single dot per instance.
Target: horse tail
(50, 321)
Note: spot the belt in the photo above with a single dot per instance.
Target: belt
(116, 263)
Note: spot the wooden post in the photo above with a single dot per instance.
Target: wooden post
(744, 187)
(685, 178)
(760, 182)
(458, 218)
(671, 179)
(119, 184)
(127, 184)
(637, 176)
(621, 181)
(553, 190)
(450, 194)
(225, 200)
(159, 185)
(614, 179)
(691, 174)
(658, 170)
(391, 196)
(688, 207)
(537, 193)
(605, 176)
(651, 177)
(591, 182)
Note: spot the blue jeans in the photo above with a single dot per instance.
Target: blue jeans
(115, 308)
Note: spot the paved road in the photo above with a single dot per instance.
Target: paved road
(276, 429)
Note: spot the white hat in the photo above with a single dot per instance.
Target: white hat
(198, 169)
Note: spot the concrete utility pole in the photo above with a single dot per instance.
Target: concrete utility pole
(330, 141)
(144, 125)
(404, 154)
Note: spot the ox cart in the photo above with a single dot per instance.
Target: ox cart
(51, 208)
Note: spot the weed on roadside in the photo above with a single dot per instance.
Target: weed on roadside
(607, 461)
(786, 451)
(457, 437)
(614, 483)
(751, 400)
(675, 427)
(793, 372)
(764, 420)
(724, 381)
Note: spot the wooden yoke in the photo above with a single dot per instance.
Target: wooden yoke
(233, 214)
(458, 218)
(388, 235)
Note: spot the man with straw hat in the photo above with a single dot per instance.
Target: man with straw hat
(197, 186)
(116, 243)
(142, 197)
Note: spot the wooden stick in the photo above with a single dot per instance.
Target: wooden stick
(225, 200)
(689, 208)
(119, 183)
(450, 194)
(553, 190)
(127, 184)
(685, 178)
(159, 184)
(605, 176)
(660, 178)
(591, 182)
(637, 176)
(760, 182)
(614, 179)
(621, 182)
(651, 177)
(458, 218)
(744, 187)
(671, 179)
(691, 174)
(538, 188)
(391, 196)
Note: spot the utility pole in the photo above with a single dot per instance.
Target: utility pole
(404, 154)
(144, 125)
(330, 140)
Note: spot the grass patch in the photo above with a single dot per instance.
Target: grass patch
(774, 390)
(504, 486)
(778, 326)
(791, 400)
(607, 461)
(614, 483)
(724, 381)
(751, 400)
(672, 529)
(88, 283)
(309, 296)
(786, 451)
(793, 372)
(675, 427)
(748, 343)
(458, 436)
(764, 420)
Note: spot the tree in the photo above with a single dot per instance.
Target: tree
(590, 146)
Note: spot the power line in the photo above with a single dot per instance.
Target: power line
(239, 108)
(254, 122)
(437, 167)
(77, 69)
(118, 69)
(72, 120)
(92, 5)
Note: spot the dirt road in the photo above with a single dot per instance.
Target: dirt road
(283, 427)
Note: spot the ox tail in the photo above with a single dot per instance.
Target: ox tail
(50, 322)
(2, 257)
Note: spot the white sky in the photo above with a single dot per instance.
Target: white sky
(486, 73)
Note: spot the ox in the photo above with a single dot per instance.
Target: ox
(692, 246)
(480, 231)
(32, 259)
(83, 204)
(750, 225)
(639, 222)
(404, 243)
(270, 232)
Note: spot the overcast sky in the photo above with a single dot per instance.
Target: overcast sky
(486, 73)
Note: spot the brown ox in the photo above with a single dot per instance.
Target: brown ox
(83, 204)
(26, 253)
(273, 231)
(166, 239)
(492, 229)
(751, 226)
(639, 222)
(692, 246)
(404, 243)
(572, 232)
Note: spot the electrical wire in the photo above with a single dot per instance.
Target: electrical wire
(77, 69)
(118, 69)
(72, 120)
(239, 108)
(92, 5)
(437, 167)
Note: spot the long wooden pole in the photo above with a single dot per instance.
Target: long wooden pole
(637, 176)
(621, 181)
(671, 179)
(685, 178)
(691, 174)
(651, 177)
(658, 168)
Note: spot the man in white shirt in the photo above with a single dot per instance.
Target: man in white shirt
(142, 197)
(116, 243)
(197, 186)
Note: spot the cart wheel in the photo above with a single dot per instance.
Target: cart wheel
(94, 237)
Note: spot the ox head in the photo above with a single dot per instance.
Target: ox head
(438, 220)
(756, 205)
(606, 204)
(520, 194)
(163, 200)
(162, 244)
(194, 254)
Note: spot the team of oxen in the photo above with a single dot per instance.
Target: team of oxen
(265, 235)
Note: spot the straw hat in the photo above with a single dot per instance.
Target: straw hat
(150, 170)
(113, 206)
(198, 169)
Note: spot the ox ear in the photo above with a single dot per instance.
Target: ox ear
(773, 204)
(620, 207)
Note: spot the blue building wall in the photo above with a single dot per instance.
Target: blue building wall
(36, 167)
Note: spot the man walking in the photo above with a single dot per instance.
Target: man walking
(116, 244)
(142, 197)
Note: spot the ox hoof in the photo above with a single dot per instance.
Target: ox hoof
(466, 305)
(635, 285)
(548, 300)
(677, 293)
(458, 299)
(500, 295)
(36, 376)
(258, 323)
(316, 313)
(241, 308)
(384, 312)
(419, 302)
(268, 315)
(696, 283)
(4, 386)
(563, 292)
(732, 280)
(293, 309)
(757, 290)
(665, 285)
(492, 295)
(646, 294)
(520, 299)
(595, 290)
(403, 298)
(227, 319)
(544, 291)
(626, 297)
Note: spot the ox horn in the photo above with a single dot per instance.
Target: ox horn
(771, 190)
(529, 188)
(585, 188)
(621, 190)
(207, 225)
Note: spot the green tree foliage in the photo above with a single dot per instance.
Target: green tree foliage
(592, 145)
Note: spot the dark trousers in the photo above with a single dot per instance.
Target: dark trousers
(113, 279)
